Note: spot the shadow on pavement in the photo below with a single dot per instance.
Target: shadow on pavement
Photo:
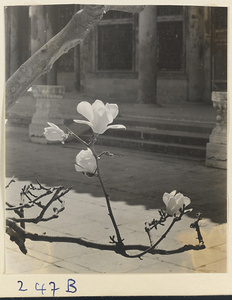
(137, 178)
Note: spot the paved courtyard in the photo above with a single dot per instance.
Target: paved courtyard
(136, 182)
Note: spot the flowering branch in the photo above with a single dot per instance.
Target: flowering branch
(99, 118)
(86, 165)
(152, 247)
(154, 223)
(20, 235)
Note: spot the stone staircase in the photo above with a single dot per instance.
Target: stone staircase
(181, 130)
(180, 138)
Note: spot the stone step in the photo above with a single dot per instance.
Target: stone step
(173, 137)
(159, 135)
(166, 124)
(190, 151)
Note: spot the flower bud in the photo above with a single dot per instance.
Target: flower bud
(86, 162)
(54, 133)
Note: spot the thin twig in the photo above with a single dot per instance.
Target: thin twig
(77, 137)
(196, 226)
(147, 229)
(54, 197)
(40, 217)
(26, 205)
(107, 153)
(163, 217)
(32, 202)
(11, 181)
(41, 187)
(156, 244)
(16, 210)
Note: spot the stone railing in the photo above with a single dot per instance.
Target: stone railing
(216, 151)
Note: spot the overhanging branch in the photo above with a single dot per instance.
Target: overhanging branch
(42, 61)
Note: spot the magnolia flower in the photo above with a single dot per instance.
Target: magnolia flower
(175, 202)
(54, 133)
(98, 115)
(86, 162)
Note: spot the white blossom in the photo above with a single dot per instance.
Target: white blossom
(98, 115)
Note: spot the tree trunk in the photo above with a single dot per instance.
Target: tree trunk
(51, 22)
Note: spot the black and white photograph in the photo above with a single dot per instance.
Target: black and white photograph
(115, 142)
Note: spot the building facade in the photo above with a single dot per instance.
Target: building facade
(165, 54)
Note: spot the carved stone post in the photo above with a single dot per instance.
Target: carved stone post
(216, 151)
(47, 110)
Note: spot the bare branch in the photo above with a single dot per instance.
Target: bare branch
(15, 209)
(26, 205)
(196, 226)
(11, 181)
(147, 229)
(40, 218)
(16, 235)
(24, 192)
(41, 187)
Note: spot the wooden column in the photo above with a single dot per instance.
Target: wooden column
(207, 56)
(147, 81)
(196, 54)
(14, 39)
(38, 32)
(16, 22)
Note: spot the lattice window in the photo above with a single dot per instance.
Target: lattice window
(64, 13)
(170, 45)
(170, 38)
(169, 10)
(115, 42)
(115, 47)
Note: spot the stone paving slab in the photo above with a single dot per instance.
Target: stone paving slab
(136, 182)
(45, 257)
